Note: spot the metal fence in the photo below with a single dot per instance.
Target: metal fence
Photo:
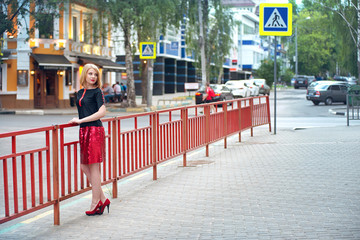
(43, 168)
(353, 107)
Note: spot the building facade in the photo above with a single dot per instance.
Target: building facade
(41, 69)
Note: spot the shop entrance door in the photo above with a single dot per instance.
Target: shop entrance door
(46, 92)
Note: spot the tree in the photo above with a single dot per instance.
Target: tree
(124, 15)
(220, 42)
(346, 19)
(266, 71)
(218, 23)
(12, 12)
(316, 43)
(154, 17)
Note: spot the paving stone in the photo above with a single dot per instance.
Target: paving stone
(292, 185)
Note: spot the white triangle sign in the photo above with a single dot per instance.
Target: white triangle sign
(275, 20)
(147, 51)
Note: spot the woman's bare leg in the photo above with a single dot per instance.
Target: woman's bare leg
(97, 192)
(86, 169)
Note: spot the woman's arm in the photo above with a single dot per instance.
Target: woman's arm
(99, 114)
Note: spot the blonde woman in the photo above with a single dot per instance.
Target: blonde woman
(92, 135)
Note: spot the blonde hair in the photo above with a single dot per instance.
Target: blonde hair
(86, 68)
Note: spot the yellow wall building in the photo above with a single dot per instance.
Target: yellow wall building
(42, 69)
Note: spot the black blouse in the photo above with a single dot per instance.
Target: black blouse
(89, 102)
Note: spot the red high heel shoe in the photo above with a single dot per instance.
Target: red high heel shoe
(105, 204)
(96, 209)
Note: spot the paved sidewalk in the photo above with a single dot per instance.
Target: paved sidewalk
(297, 184)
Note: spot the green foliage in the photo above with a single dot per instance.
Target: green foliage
(266, 71)
(344, 25)
(316, 43)
(18, 9)
(218, 22)
(286, 76)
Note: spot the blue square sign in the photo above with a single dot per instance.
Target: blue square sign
(147, 50)
(275, 19)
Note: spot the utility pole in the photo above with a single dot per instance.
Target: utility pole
(296, 52)
(202, 46)
(275, 82)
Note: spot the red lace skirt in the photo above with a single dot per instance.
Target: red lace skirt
(92, 144)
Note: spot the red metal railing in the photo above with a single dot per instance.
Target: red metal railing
(49, 173)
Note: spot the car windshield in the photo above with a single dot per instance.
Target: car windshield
(322, 87)
(259, 82)
(216, 87)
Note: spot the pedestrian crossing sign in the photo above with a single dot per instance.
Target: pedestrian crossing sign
(147, 50)
(275, 19)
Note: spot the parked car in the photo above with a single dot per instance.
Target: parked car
(264, 88)
(311, 79)
(222, 93)
(301, 81)
(239, 89)
(327, 92)
(349, 80)
(253, 87)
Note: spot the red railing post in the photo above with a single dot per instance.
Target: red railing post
(251, 115)
(155, 133)
(207, 128)
(14, 169)
(184, 116)
(114, 157)
(55, 148)
(239, 107)
(268, 111)
(224, 106)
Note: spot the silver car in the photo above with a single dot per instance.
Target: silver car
(327, 92)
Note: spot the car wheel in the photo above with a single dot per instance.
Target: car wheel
(316, 102)
(328, 101)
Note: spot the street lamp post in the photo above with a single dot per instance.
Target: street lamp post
(296, 48)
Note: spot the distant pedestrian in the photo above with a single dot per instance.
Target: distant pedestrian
(123, 90)
(108, 93)
(92, 135)
(118, 94)
(209, 95)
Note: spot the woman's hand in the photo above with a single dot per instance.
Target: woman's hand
(75, 121)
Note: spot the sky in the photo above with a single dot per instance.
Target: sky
(283, 1)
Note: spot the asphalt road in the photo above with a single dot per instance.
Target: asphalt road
(291, 103)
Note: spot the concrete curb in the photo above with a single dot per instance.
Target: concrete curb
(7, 112)
(338, 111)
(148, 109)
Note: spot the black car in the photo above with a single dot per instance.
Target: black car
(222, 93)
(301, 81)
(327, 92)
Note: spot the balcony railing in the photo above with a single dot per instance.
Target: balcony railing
(70, 46)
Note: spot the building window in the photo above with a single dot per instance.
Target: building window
(86, 31)
(74, 28)
(248, 29)
(45, 25)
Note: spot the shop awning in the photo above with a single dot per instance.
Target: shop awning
(5, 55)
(104, 63)
(47, 61)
